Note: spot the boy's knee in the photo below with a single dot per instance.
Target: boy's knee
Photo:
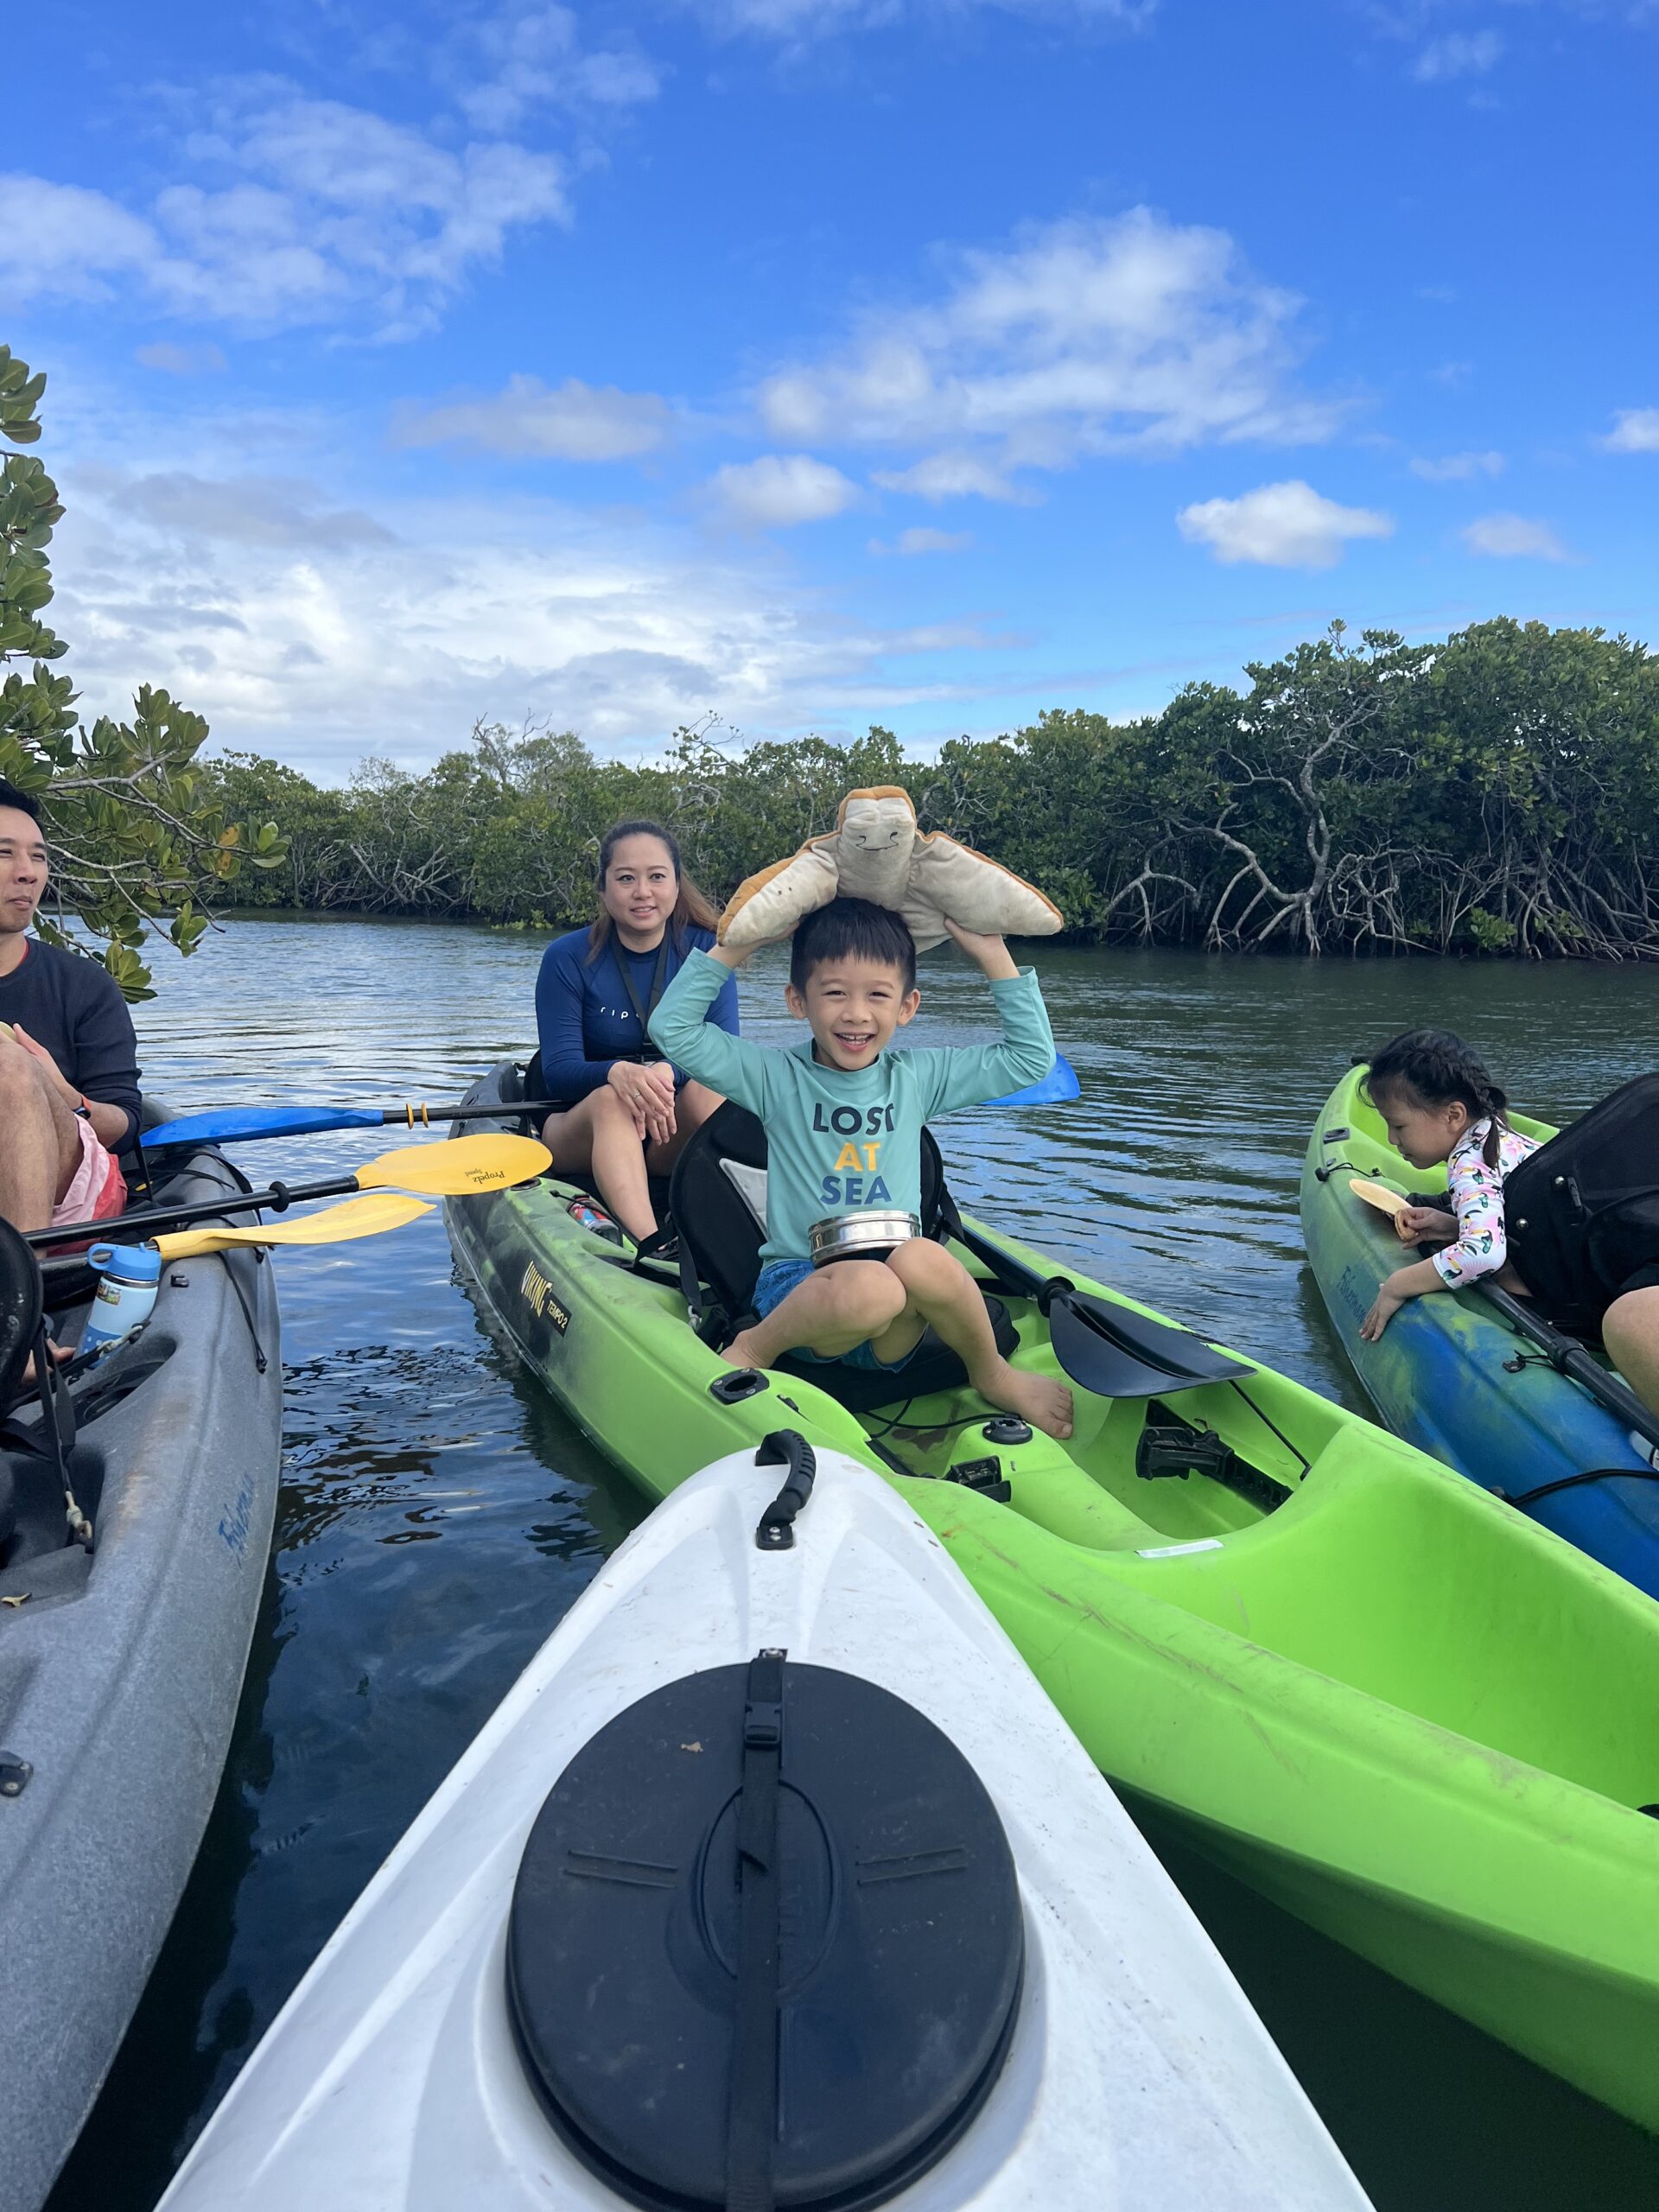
(921, 1265)
(865, 1294)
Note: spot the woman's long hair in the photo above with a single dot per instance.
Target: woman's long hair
(1433, 1067)
(691, 909)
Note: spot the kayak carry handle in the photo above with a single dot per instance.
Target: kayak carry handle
(775, 1531)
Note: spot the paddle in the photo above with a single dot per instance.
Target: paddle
(1564, 1354)
(367, 1217)
(1113, 1351)
(1378, 1195)
(1054, 1088)
(240, 1124)
(456, 1167)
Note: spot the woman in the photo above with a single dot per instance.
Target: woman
(627, 1113)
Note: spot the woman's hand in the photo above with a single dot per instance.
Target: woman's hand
(988, 954)
(647, 1091)
(1425, 1226)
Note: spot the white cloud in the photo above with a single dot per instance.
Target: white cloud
(179, 360)
(1459, 53)
(311, 211)
(1636, 429)
(536, 60)
(780, 490)
(577, 422)
(954, 476)
(1459, 468)
(797, 21)
(1121, 335)
(1279, 527)
(1513, 537)
(322, 634)
(910, 543)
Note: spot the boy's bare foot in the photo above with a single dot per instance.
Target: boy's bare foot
(739, 1352)
(1044, 1404)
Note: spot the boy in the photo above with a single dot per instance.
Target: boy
(843, 1119)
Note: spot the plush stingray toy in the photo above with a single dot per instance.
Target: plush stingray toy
(875, 852)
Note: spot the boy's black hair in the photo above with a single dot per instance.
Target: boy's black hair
(1433, 1067)
(24, 802)
(852, 929)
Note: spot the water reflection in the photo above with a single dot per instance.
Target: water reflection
(438, 1515)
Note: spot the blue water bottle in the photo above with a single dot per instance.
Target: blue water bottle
(129, 1276)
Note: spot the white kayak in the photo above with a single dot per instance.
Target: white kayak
(775, 1879)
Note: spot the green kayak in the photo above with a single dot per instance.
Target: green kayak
(1378, 1695)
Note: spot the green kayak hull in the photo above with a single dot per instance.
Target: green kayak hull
(1373, 1692)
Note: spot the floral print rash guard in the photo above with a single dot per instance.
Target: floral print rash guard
(1478, 1195)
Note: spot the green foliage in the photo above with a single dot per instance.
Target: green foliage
(1495, 794)
(138, 837)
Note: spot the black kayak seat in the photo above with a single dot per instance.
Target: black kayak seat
(716, 1208)
(20, 1295)
(1582, 1212)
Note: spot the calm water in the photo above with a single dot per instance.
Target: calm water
(437, 1516)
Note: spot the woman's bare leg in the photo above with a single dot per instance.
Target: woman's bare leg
(693, 1104)
(1630, 1329)
(597, 1137)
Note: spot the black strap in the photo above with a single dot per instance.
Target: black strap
(58, 1432)
(752, 2116)
(659, 981)
(1529, 1498)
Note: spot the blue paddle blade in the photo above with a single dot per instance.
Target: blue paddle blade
(1056, 1087)
(236, 1124)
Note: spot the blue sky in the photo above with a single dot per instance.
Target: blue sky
(810, 363)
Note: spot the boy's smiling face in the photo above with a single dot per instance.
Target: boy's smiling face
(853, 1006)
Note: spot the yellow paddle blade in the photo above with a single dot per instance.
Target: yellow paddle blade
(366, 1216)
(1378, 1195)
(457, 1168)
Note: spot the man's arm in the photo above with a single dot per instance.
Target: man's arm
(734, 1066)
(102, 1070)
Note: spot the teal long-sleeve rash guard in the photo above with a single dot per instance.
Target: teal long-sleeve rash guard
(837, 1141)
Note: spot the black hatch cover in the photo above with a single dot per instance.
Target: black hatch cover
(898, 1965)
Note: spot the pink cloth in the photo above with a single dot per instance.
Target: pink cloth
(98, 1190)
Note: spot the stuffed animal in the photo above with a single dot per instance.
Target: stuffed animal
(875, 852)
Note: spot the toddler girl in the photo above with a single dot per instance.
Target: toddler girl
(1439, 1104)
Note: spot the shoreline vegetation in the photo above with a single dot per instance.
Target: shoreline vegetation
(1495, 793)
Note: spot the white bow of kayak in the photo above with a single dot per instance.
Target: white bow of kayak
(1136, 2074)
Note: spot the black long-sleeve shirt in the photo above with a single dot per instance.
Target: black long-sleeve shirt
(74, 1007)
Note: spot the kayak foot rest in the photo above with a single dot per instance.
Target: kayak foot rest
(747, 1875)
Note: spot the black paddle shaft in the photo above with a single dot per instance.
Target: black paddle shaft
(1567, 1357)
(276, 1197)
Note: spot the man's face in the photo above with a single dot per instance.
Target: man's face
(22, 869)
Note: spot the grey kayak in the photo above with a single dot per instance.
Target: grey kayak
(120, 1668)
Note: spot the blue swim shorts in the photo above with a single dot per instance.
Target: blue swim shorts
(778, 1278)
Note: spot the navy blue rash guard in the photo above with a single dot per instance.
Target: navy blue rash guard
(74, 1007)
(584, 1019)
